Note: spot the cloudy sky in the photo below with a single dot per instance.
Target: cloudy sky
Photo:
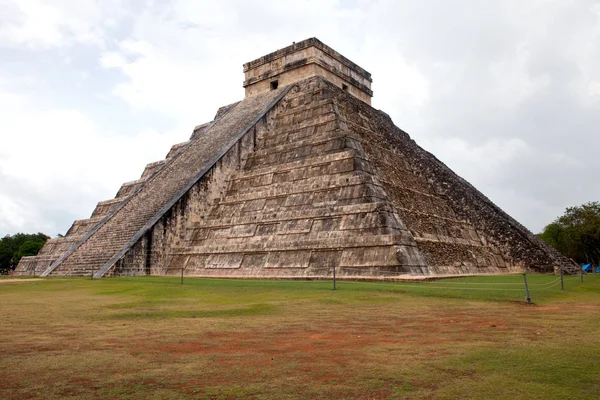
(506, 92)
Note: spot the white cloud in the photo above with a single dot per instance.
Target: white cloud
(176, 61)
(57, 159)
(39, 24)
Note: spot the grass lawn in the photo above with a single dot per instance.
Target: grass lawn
(153, 338)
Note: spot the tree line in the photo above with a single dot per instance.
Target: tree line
(20, 245)
(576, 234)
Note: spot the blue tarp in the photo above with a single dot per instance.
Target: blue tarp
(587, 268)
(598, 270)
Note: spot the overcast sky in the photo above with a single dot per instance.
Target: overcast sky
(507, 93)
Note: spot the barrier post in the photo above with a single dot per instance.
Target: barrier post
(562, 283)
(527, 296)
(334, 277)
(182, 275)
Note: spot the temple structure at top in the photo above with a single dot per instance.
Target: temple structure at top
(303, 60)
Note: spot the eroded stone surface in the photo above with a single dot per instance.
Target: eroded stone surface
(290, 183)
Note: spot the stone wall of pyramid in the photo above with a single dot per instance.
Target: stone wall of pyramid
(324, 180)
(332, 182)
(121, 223)
(303, 200)
(291, 183)
(457, 229)
(56, 247)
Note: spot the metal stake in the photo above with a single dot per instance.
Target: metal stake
(562, 283)
(182, 276)
(334, 277)
(528, 297)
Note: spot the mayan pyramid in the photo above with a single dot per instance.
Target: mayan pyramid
(300, 176)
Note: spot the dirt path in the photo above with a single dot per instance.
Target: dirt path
(19, 280)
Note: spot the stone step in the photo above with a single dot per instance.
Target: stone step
(454, 253)
(129, 187)
(312, 94)
(323, 106)
(304, 113)
(283, 127)
(176, 147)
(87, 221)
(360, 195)
(276, 243)
(435, 225)
(324, 173)
(58, 247)
(295, 151)
(291, 134)
(81, 226)
(303, 120)
(74, 272)
(34, 265)
(291, 231)
(283, 215)
(270, 159)
(152, 168)
(96, 249)
(312, 174)
(385, 256)
(421, 237)
(309, 162)
(374, 222)
(312, 140)
(309, 125)
(103, 208)
(256, 261)
(299, 188)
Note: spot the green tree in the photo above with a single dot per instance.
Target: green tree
(576, 234)
(29, 248)
(20, 245)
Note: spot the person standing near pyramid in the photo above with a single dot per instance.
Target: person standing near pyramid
(11, 268)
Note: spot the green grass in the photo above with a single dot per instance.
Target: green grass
(153, 338)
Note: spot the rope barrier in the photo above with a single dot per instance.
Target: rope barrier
(537, 287)
(396, 273)
(554, 282)
(500, 283)
(463, 285)
(548, 288)
(415, 285)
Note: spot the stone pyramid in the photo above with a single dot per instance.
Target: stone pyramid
(301, 176)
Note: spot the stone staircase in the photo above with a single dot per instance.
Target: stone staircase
(306, 200)
(162, 184)
(56, 247)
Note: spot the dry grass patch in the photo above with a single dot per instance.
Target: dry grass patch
(152, 338)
